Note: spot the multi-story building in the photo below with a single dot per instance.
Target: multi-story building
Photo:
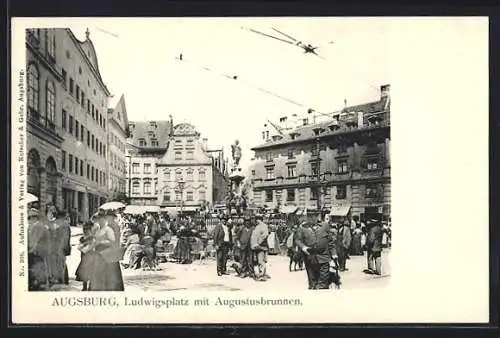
(117, 139)
(340, 165)
(159, 155)
(190, 175)
(67, 109)
(147, 143)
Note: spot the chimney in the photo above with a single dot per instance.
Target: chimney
(385, 90)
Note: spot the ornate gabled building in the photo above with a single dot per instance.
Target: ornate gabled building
(117, 140)
(340, 166)
(67, 108)
(190, 176)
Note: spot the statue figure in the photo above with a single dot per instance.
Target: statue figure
(236, 152)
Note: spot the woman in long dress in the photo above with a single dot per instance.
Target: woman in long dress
(84, 270)
(38, 273)
(133, 252)
(106, 274)
(57, 246)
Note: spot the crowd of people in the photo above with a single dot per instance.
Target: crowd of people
(112, 241)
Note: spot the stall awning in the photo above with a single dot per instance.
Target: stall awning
(289, 209)
(340, 209)
(151, 208)
(134, 209)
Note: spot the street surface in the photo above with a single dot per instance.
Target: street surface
(202, 276)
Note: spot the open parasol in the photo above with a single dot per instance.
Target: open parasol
(112, 206)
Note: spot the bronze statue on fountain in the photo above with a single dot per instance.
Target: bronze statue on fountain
(235, 201)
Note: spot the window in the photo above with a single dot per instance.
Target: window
(77, 129)
(81, 168)
(76, 165)
(93, 111)
(142, 142)
(70, 162)
(88, 171)
(178, 155)
(269, 195)
(100, 120)
(372, 164)
(77, 93)
(33, 88)
(314, 169)
(341, 192)
(178, 196)
(88, 138)
(190, 175)
(201, 175)
(342, 166)
(51, 102)
(104, 124)
(290, 153)
(83, 99)
(166, 174)
(104, 150)
(269, 156)
(82, 133)
(71, 86)
(65, 79)
(290, 195)
(189, 196)
(51, 44)
(135, 187)
(135, 168)
(147, 168)
(100, 148)
(292, 171)
(314, 150)
(64, 117)
(147, 188)
(88, 106)
(253, 172)
(70, 125)
(96, 114)
(178, 175)
(93, 142)
(189, 155)
(269, 172)
(371, 191)
(95, 172)
(202, 195)
(166, 196)
(314, 193)
(63, 160)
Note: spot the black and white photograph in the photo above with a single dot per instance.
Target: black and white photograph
(234, 156)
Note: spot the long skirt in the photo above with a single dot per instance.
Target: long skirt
(133, 254)
(85, 268)
(356, 249)
(106, 276)
(38, 275)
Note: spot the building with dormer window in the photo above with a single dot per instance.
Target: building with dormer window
(67, 114)
(341, 165)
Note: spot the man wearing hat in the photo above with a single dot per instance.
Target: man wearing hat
(343, 243)
(305, 240)
(243, 242)
(222, 243)
(325, 250)
(260, 247)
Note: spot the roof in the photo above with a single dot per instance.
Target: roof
(149, 131)
(119, 113)
(307, 132)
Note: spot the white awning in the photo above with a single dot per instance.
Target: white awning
(289, 209)
(340, 209)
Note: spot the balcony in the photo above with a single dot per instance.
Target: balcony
(36, 119)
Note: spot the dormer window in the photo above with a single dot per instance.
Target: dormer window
(142, 142)
(294, 135)
(334, 125)
(131, 125)
(318, 131)
(154, 142)
(152, 124)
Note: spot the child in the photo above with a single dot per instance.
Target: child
(86, 248)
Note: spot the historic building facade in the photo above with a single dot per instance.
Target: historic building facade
(67, 113)
(160, 155)
(190, 175)
(341, 165)
(147, 143)
(117, 140)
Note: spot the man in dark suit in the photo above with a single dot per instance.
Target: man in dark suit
(343, 244)
(305, 240)
(222, 244)
(325, 249)
(243, 242)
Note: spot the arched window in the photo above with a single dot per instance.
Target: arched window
(51, 102)
(33, 88)
(51, 180)
(166, 174)
(190, 174)
(51, 43)
(34, 173)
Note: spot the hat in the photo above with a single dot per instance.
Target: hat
(33, 212)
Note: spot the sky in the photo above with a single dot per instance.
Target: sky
(137, 58)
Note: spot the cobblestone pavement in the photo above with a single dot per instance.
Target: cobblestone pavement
(202, 276)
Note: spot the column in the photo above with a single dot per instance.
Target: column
(85, 206)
